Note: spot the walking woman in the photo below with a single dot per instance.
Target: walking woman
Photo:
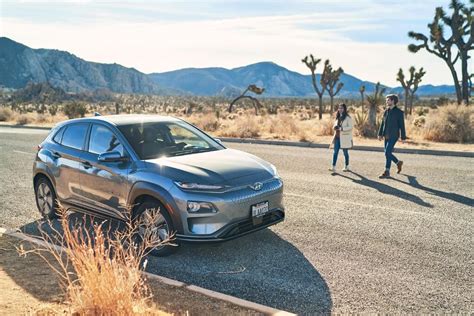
(342, 136)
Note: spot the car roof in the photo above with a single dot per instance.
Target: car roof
(126, 119)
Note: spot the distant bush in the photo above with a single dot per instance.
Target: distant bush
(25, 119)
(327, 127)
(207, 122)
(452, 123)
(75, 109)
(6, 114)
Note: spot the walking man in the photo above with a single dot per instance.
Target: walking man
(392, 127)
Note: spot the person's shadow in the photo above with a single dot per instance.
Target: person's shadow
(386, 189)
(413, 182)
(261, 267)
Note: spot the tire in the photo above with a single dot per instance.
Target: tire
(166, 226)
(45, 197)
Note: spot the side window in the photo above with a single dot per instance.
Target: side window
(74, 136)
(103, 140)
(59, 135)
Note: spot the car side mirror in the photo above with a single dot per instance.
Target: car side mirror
(111, 157)
(218, 140)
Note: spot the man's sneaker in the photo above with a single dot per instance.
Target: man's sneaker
(346, 169)
(399, 166)
(332, 169)
(385, 174)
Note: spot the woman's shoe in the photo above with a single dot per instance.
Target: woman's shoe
(346, 169)
(332, 169)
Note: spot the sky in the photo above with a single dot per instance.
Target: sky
(367, 38)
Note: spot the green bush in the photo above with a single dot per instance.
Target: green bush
(75, 109)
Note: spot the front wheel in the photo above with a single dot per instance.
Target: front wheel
(46, 199)
(160, 225)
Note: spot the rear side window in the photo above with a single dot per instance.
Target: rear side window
(103, 140)
(59, 135)
(74, 136)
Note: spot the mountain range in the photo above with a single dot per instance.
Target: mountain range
(20, 64)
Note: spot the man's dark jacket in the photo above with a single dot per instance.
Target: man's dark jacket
(393, 123)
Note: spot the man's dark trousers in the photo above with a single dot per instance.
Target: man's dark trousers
(389, 144)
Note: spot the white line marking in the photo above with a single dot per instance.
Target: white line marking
(23, 152)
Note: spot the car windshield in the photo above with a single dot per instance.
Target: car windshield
(167, 139)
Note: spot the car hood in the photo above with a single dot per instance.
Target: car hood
(223, 167)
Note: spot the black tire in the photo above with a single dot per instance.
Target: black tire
(45, 197)
(164, 250)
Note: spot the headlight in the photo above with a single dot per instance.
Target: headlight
(201, 207)
(197, 186)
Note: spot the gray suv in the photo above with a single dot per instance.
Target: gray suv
(107, 166)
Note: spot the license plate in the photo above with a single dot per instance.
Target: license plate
(258, 210)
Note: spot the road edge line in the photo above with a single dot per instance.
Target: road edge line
(209, 293)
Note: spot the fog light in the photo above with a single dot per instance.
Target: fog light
(201, 207)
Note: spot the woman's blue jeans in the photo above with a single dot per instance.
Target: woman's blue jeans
(389, 144)
(337, 146)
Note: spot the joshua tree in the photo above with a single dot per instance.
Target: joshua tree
(453, 48)
(374, 100)
(311, 63)
(410, 86)
(332, 79)
(252, 88)
(362, 91)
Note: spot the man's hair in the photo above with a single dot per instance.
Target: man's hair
(393, 97)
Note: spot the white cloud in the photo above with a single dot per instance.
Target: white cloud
(163, 46)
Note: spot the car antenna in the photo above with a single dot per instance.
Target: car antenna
(97, 114)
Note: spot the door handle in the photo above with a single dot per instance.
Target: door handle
(86, 164)
(55, 154)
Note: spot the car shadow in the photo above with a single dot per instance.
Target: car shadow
(413, 182)
(261, 267)
(385, 189)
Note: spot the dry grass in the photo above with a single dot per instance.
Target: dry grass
(451, 123)
(100, 270)
(6, 114)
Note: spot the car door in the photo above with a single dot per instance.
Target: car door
(67, 150)
(105, 185)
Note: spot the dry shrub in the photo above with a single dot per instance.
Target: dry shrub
(207, 122)
(242, 127)
(327, 127)
(282, 125)
(6, 114)
(101, 269)
(452, 123)
(27, 118)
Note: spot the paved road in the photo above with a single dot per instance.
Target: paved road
(350, 243)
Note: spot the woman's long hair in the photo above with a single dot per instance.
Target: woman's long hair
(339, 116)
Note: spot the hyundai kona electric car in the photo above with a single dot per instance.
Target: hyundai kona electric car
(109, 166)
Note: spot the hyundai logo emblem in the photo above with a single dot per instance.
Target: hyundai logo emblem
(257, 186)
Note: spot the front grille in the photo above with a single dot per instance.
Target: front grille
(247, 225)
(247, 194)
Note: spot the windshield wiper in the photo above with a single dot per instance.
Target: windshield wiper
(192, 151)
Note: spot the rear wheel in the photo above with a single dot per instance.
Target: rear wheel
(160, 225)
(46, 198)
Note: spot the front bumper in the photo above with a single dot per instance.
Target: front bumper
(237, 229)
(233, 217)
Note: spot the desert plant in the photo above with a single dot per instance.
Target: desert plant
(6, 114)
(312, 63)
(23, 119)
(374, 101)
(454, 48)
(332, 78)
(100, 270)
(252, 88)
(53, 109)
(410, 86)
(75, 109)
(362, 91)
(450, 124)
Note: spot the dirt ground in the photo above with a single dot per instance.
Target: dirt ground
(29, 287)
